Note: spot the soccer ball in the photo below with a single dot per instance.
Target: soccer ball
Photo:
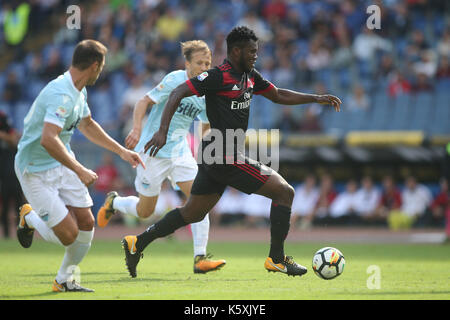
(328, 263)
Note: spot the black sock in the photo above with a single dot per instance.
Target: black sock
(167, 225)
(279, 228)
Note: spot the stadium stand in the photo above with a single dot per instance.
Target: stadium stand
(402, 69)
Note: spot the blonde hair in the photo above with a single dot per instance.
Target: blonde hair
(189, 47)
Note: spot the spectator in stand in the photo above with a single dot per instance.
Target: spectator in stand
(108, 179)
(366, 202)
(257, 210)
(11, 193)
(229, 210)
(358, 100)
(13, 90)
(440, 206)
(171, 24)
(422, 84)
(416, 45)
(309, 122)
(116, 57)
(275, 10)
(427, 64)
(365, 46)
(251, 20)
(327, 195)
(416, 199)
(305, 200)
(443, 45)
(385, 68)
(343, 208)
(443, 69)
(318, 57)
(54, 67)
(131, 96)
(390, 200)
(398, 84)
(288, 123)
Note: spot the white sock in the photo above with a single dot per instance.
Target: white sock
(74, 255)
(200, 233)
(126, 205)
(34, 221)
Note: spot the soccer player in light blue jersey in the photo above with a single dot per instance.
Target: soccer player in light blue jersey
(53, 181)
(175, 161)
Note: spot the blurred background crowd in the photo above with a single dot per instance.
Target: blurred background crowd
(321, 46)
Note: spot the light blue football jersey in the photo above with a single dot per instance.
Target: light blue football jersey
(59, 103)
(189, 109)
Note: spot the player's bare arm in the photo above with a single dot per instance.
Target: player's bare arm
(140, 109)
(52, 143)
(94, 132)
(289, 97)
(159, 138)
(206, 126)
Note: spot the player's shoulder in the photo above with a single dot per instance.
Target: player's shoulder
(255, 72)
(57, 91)
(213, 73)
(177, 76)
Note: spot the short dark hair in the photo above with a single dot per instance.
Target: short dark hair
(239, 36)
(87, 52)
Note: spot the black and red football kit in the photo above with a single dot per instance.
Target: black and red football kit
(228, 94)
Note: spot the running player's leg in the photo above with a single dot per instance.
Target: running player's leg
(45, 208)
(200, 234)
(205, 193)
(200, 230)
(250, 176)
(183, 173)
(83, 224)
(148, 185)
(282, 195)
(195, 209)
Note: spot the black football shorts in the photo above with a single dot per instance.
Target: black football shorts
(244, 174)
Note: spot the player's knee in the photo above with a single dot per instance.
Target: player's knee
(68, 237)
(192, 216)
(145, 213)
(285, 196)
(87, 223)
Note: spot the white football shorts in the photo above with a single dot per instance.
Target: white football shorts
(50, 191)
(148, 182)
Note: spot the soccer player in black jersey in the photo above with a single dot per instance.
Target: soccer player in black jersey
(228, 90)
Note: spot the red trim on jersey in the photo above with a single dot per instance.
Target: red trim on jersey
(191, 86)
(233, 94)
(228, 79)
(265, 90)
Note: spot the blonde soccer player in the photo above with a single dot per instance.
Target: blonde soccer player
(175, 161)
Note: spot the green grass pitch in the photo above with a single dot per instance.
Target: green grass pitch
(165, 273)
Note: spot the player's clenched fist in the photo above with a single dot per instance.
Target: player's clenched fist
(87, 176)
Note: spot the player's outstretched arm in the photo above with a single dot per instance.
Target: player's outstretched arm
(290, 97)
(159, 138)
(140, 109)
(95, 133)
(55, 147)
